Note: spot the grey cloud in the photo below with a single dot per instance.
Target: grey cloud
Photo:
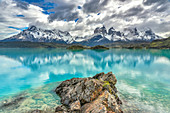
(78, 28)
(162, 9)
(122, 0)
(22, 5)
(94, 6)
(163, 27)
(155, 9)
(2, 19)
(133, 11)
(150, 2)
(99, 21)
(66, 9)
(64, 12)
(144, 15)
(159, 6)
(140, 13)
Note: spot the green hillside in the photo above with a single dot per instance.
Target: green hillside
(157, 44)
(31, 45)
(160, 44)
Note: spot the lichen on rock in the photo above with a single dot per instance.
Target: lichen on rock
(96, 94)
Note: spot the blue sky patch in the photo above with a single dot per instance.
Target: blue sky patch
(20, 16)
(48, 5)
(76, 19)
(47, 13)
(41, 3)
(33, 1)
(21, 29)
(79, 7)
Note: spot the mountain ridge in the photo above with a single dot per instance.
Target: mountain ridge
(101, 36)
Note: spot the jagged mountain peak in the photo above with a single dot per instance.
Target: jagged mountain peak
(32, 28)
(112, 28)
(130, 29)
(149, 31)
(100, 36)
(100, 30)
(111, 31)
(35, 34)
(133, 31)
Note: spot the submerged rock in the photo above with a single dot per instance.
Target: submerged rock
(12, 103)
(89, 95)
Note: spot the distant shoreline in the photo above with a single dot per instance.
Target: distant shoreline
(156, 44)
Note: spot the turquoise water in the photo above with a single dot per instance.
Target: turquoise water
(143, 75)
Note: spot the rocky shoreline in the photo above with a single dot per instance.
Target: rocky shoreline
(96, 94)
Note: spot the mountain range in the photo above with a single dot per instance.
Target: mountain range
(101, 36)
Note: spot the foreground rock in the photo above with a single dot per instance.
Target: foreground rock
(89, 95)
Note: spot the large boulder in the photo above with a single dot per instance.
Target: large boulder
(96, 94)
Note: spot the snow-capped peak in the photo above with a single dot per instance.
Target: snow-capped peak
(100, 30)
(100, 36)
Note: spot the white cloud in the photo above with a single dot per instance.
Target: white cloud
(8, 17)
(114, 13)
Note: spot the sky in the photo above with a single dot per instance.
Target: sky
(81, 17)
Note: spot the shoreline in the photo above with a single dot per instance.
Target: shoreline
(32, 103)
(100, 80)
(156, 44)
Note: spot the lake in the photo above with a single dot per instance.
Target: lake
(143, 76)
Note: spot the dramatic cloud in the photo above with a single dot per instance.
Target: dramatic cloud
(81, 17)
(94, 6)
(23, 5)
(151, 2)
(64, 12)
(18, 15)
(134, 11)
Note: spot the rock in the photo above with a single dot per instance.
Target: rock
(15, 102)
(85, 90)
(61, 109)
(37, 111)
(75, 106)
(96, 95)
(103, 104)
(40, 111)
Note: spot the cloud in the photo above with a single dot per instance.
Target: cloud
(80, 18)
(23, 5)
(94, 6)
(134, 11)
(64, 12)
(150, 2)
(15, 15)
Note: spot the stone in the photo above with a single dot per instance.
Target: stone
(61, 109)
(103, 104)
(96, 94)
(75, 106)
(15, 102)
(36, 111)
